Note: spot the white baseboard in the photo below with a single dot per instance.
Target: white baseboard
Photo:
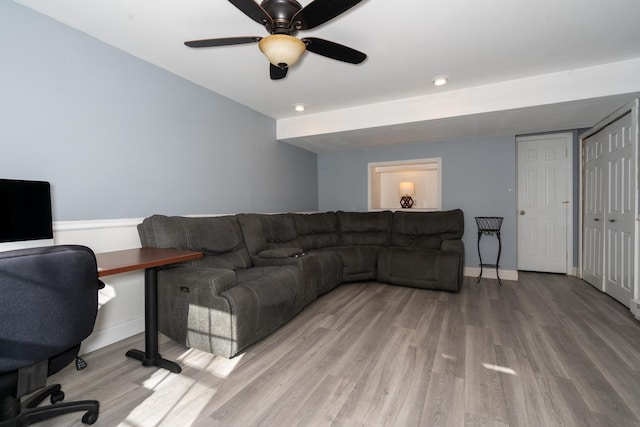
(490, 273)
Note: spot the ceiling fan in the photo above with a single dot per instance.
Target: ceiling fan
(283, 19)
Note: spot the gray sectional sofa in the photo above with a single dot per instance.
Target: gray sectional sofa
(260, 270)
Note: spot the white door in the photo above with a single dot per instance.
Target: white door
(620, 210)
(593, 211)
(544, 202)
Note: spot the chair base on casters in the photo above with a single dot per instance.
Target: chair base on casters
(31, 413)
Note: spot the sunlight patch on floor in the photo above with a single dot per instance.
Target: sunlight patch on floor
(217, 366)
(222, 367)
(498, 368)
(156, 379)
(187, 410)
(176, 400)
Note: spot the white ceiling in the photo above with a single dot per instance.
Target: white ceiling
(408, 42)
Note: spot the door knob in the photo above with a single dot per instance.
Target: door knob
(522, 212)
(596, 219)
(612, 220)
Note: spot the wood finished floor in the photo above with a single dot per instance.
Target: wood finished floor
(548, 350)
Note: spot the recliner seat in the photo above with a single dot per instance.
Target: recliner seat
(220, 303)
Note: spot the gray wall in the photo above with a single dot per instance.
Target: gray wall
(478, 176)
(120, 138)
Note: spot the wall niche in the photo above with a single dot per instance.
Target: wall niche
(385, 178)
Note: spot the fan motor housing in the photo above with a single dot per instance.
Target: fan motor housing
(282, 12)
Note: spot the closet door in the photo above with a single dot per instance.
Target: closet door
(620, 210)
(593, 211)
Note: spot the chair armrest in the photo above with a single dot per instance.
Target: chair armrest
(216, 279)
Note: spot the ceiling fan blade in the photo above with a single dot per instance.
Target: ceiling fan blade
(253, 10)
(225, 41)
(277, 73)
(320, 11)
(334, 50)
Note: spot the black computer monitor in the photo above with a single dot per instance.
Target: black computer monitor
(25, 210)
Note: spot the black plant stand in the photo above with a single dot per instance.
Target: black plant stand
(489, 226)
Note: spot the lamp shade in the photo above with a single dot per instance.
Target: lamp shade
(282, 49)
(407, 188)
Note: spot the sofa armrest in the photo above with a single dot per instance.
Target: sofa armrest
(194, 310)
(281, 253)
(280, 256)
(453, 245)
(308, 263)
(216, 279)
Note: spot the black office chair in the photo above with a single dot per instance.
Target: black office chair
(48, 305)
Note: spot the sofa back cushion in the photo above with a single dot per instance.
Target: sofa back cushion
(279, 231)
(365, 228)
(253, 233)
(316, 231)
(264, 231)
(426, 230)
(219, 238)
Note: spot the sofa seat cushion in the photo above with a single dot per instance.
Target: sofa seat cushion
(359, 262)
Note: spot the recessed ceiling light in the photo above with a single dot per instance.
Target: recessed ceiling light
(299, 107)
(440, 80)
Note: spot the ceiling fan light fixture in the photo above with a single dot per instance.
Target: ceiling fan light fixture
(440, 80)
(282, 49)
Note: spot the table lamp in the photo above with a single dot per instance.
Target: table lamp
(406, 190)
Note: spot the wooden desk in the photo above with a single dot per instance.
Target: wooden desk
(148, 259)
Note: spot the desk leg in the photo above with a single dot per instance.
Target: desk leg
(151, 356)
